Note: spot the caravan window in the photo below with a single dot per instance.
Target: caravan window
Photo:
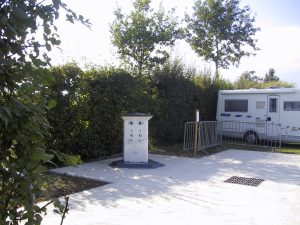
(291, 106)
(273, 105)
(236, 105)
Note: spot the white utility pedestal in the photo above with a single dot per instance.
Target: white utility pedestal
(136, 137)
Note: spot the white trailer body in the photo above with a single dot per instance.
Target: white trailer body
(265, 107)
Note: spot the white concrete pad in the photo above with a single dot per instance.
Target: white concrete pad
(189, 191)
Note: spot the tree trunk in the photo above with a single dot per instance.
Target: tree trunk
(216, 77)
(140, 66)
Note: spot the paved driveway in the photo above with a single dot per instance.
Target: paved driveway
(189, 191)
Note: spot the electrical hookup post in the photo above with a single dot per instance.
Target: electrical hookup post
(135, 149)
(196, 131)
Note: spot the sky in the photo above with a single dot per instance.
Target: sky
(279, 38)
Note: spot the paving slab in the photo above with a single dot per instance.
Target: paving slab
(189, 191)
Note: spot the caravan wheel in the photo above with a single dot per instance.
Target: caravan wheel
(251, 138)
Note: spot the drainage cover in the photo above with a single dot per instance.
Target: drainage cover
(244, 181)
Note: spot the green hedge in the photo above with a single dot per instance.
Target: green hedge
(87, 120)
(68, 119)
(176, 97)
(112, 93)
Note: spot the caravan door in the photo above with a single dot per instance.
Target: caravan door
(273, 116)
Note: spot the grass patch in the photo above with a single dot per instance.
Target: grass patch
(56, 185)
(290, 148)
(289, 151)
(176, 149)
(228, 146)
(285, 148)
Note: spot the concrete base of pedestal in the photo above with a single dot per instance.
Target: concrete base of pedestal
(151, 164)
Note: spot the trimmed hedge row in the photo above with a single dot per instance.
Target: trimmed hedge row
(87, 119)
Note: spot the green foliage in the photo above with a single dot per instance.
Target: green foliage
(23, 130)
(249, 80)
(112, 93)
(176, 98)
(142, 36)
(23, 103)
(66, 159)
(69, 118)
(270, 76)
(220, 31)
(87, 119)
(179, 91)
(276, 84)
(209, 93)
(21, 18)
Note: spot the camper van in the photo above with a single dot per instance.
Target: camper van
(254, 114)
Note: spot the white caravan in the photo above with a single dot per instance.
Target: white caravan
(270, 112)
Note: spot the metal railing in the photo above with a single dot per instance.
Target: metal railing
(209, 135)
(252, 133)
(201, 135)
(189, 136)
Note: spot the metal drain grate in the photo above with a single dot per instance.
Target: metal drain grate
(244, 181)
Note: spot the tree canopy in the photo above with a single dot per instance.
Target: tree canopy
(141, 37)
(270, 76)
(221, 31)
(248, 79)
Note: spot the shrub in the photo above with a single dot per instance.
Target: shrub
(112, 93)
(209, 89)
(176, 98)
(68, 119)
(87, 120)
(179, 91)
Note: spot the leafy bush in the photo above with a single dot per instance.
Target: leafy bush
(209, 89)
(176, 98)
(23, 130)
(69, 118)
(179, 91)
(112, 93)
(28, 32)
(87, 119)
(249, 80)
